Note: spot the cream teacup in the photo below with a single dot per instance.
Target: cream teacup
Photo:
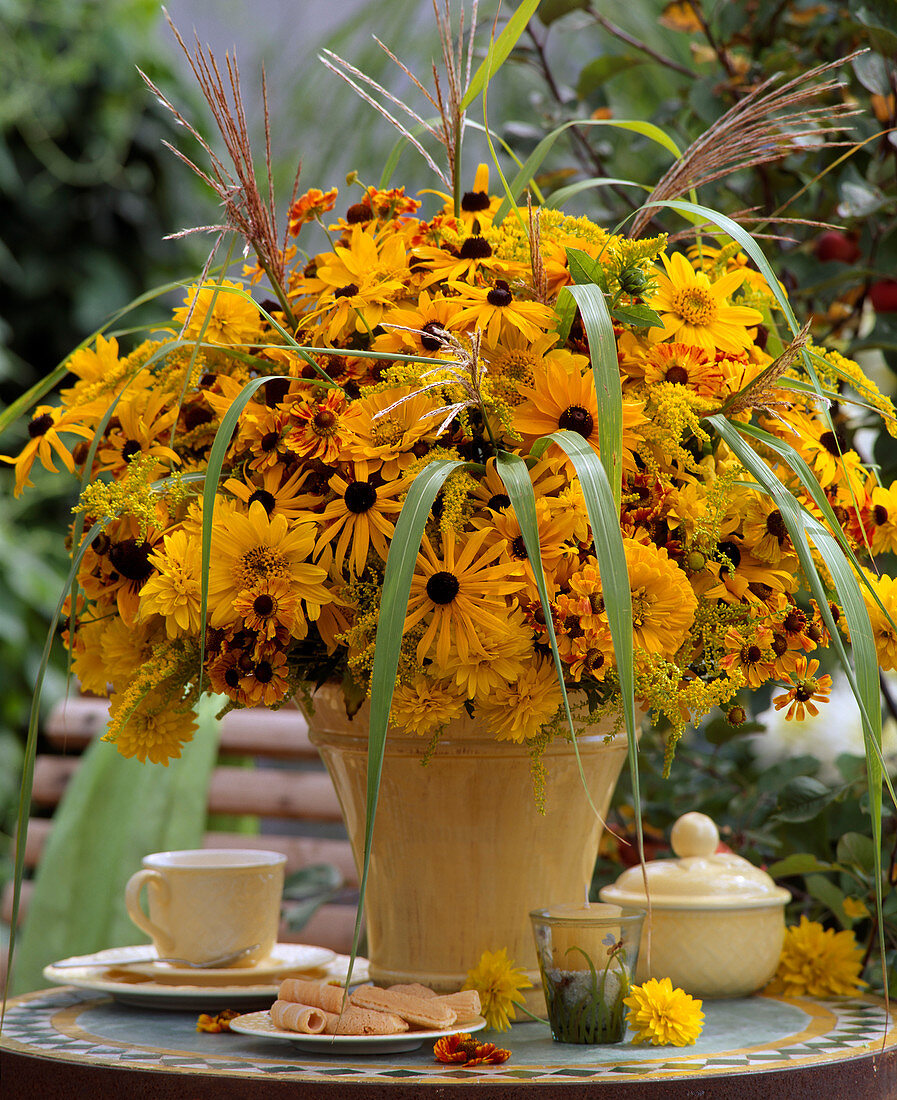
(209, 902)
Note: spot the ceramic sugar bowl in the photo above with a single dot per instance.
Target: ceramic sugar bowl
(717, 922)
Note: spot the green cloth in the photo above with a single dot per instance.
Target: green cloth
(114, 812)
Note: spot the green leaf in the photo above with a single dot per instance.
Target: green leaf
(606, 373)
(552, 10)
(602, 69)
(306, 890)
(872, 72)
(565, 310)
(585, 269)
(827, 892)
(639, 316)
(858, 850)
(801, 863)
(803, 799)
(499, 50)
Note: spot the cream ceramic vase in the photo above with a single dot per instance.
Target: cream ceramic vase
(460, 853)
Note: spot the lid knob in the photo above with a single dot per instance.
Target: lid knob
(694, 834)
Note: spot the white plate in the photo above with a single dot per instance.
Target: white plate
(258, 1024)
(98, 973)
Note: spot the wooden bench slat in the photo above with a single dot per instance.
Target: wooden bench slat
(278, 734)
(301, 851)
(267, 792)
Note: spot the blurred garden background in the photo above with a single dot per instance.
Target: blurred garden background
(88, 192)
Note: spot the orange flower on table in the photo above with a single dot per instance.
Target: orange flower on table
(818, 962)
(696, 311)
(464, 1050)
(807, 690)
(500, 985)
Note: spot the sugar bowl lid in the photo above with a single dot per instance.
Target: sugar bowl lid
(701, 877)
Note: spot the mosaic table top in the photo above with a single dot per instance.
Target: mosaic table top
(752, 1035)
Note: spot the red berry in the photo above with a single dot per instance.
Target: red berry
(883, 296)
(834, 245)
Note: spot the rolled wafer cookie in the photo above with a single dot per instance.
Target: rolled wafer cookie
(295, 1017)
(316, 994)
(466, 1004)
(316, 1021)
(423, 1011)
(414, 989)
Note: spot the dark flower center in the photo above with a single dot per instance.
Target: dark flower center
(263, 605)
(803, 693)
(760, 590)
(264, 673)
(775, 525)
(500, 295)
(324, 420)
(518, 548)
(880, 515)
(194, 415)
(432, 342)
(832, 443)
(475, 248)
(360, 497)
(130, 558)
(753, 654)
(499, 502)
(443, 587)
(472, 201)
(40, 425)
(779, 644)
(276, 390)
(130, 450)
(577, 419)
(677, 374)
(732, 552)
(795, 621)
(264, 498)
(232, 678)
(346, 291)
(359, 212)
(269, 441)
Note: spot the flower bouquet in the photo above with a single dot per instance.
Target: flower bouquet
(467, 457)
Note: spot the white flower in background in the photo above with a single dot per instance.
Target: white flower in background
(835, 731)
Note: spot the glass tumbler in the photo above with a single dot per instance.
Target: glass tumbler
(587, 956)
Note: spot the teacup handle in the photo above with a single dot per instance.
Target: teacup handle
(160, 937)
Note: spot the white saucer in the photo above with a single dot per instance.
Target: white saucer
(108, 972)
(258, 1024)
(278, 963)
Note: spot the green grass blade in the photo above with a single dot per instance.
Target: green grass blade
(564, 194)
(514, 473)
(499, 50)
(604, 518)
(864, 683)
(31, 748)
(400, 562)
(606, 372)
(534, 161)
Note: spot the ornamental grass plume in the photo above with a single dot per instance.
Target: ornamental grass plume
(818, 962)
(662, 1015)
(499, 984)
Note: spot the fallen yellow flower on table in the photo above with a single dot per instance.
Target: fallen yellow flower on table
(498, 983)
(818, 962)
(661, 1015)
(466, 1051)
(215, 1024)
